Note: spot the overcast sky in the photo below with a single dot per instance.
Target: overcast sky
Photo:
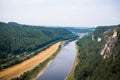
(61, 12)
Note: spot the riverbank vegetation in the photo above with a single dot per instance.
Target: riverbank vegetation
(89, 57)
(92, 66)
(19, 42)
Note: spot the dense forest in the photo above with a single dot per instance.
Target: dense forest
(18, 41)
(93, 63)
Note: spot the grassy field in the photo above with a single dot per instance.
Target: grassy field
(17, 70)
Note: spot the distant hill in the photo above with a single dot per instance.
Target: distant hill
(80, 30)
(17, 39)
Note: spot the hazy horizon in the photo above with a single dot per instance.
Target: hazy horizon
(75, 13)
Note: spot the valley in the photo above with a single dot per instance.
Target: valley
(31, 52)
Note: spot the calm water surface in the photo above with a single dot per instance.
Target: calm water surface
(61, 66)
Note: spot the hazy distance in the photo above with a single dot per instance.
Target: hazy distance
(61, 12)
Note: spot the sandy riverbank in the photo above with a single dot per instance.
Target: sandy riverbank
(42, 71)
(49, 62)
(17, 70)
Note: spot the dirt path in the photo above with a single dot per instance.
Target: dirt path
(17, 70)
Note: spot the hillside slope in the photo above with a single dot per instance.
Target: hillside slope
(17, 41)
(99, 55)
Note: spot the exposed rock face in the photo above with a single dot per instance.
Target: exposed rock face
(93, 37)
(108, 49)
(99, 39)
(110, 45)
(114, 33)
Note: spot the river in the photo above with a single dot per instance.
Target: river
(61, 66)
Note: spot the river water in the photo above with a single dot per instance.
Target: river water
(61, 66)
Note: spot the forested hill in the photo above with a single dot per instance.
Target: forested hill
(99, 55)
(79, 30)
(17, 39)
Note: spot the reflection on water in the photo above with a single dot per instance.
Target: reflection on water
(62, 65)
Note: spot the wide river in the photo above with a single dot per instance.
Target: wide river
(61, 66)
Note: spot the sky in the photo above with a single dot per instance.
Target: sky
(61, 12)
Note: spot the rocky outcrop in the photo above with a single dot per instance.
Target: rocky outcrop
(110, 45)
(99, 39)
(115, 33)
(93, 37)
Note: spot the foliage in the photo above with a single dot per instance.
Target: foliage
(89, 58)
(91, 65)
(17, 41)
(101, 30)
